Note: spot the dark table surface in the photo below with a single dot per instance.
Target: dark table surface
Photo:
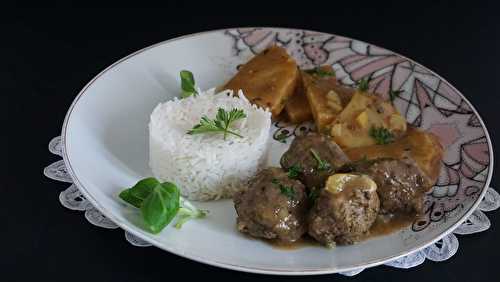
(48, 56)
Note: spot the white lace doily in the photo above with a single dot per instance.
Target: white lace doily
(442, 250)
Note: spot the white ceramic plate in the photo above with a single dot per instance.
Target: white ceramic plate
(105, 143)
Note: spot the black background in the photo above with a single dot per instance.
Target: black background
(47, 56)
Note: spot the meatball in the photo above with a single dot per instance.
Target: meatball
(345, 210)
(315, 157)
(272, 207)
(401, 183)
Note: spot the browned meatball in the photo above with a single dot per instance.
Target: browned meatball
(272, 207)
(304, 153)
(345, 210)
(401, 183)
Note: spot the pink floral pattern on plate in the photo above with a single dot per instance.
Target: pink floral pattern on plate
(426, 100)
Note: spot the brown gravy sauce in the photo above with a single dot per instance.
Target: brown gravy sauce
(304, 241)
(384, 225)
(387, 224)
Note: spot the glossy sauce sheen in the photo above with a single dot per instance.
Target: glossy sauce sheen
(384, 225)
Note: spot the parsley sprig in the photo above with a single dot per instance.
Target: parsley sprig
(285, 190)
(363, 84)
(221, 123)
(294, 171)
(321, 72)
(381, 135)
(394, 93)
(313, 194)
(322, 164)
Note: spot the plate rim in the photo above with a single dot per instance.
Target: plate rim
(206, 260)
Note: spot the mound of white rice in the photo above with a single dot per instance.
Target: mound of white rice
(205, 166)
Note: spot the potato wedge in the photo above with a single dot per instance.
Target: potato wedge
(268, 79)
(353, 126)
(423, 147)
(298, 109)
(325, 99)
(358, 103)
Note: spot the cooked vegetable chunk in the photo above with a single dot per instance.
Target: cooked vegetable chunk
(326, 97)
(423, 147)
(367, 120)
(298, 109)
(319, 92)
(268, 79)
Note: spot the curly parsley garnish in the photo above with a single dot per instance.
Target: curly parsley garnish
(220, 124)
(381, 135)
(394, 93)
(285, 190)
(187, 84)
(363, 84)
(322, 164)
(321, 72)
(294, 171)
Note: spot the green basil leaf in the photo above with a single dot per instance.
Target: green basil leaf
(161, 206)
(187, 84)
(129, 198)
(139, 192)
(144, 187)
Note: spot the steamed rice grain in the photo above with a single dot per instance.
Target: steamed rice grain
(205, 166)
